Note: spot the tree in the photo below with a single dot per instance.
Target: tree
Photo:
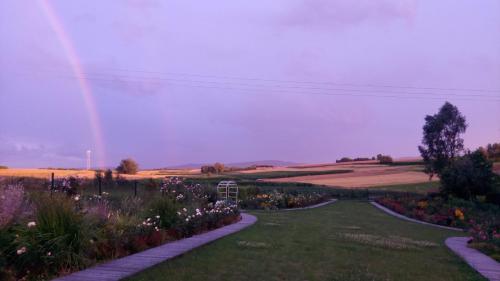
(219, 167)
(468, 176)
(384, 159)
(127, 166)
(441, 142)
(207, 169)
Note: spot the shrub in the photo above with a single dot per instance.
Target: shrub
(3, 167)
(166, 208)
(56, 241)
(108, 178)
(468, 176)
(128, 166)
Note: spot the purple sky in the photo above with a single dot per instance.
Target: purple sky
(134, 51)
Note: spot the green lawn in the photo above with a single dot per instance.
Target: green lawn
(345, 241)
(423, 187)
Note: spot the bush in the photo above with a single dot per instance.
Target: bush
(3, 167)
(56, 241)
(166, 208)
(128, 166)
(468, 176)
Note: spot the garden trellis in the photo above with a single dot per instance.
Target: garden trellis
(228, 191)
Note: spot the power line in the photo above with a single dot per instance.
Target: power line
(306, 82)
(385, 95)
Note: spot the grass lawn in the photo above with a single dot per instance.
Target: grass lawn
(423, 187)
(347, 240)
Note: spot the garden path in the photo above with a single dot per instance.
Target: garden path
(483, 264)
(129, 265)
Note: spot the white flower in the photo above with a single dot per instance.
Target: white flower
(21, 251)
(49, 254)
(187, 219)
(158, 216)
(156, 228)
(77, 197)
(184, 209)
(31, 224)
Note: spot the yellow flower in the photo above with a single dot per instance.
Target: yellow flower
(422, 204)
(459, 214)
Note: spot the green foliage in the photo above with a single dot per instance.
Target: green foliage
(166, 208)
(108, 178)
(468, 176)
(57, 240)
(441, 141)
(128, 166)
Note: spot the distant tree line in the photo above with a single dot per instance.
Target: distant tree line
(217, 168)
(383, 159)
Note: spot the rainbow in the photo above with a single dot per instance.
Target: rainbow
(79, 73)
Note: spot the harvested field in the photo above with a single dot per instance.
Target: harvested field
(45, 173)
(365, 176)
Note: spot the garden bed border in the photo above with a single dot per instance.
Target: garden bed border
(310, 207)
(127, 266)
(400, 216)
(483, 264)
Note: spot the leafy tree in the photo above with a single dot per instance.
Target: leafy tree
(441, 142)
(219, 167)
(127, 166)
(384, 159)
(468, 176)
(207, 169)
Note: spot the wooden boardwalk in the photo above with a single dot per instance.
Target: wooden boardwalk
(129, 265)
(392, 213)
(483, 264)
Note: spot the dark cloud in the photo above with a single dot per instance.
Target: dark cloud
(336, 14)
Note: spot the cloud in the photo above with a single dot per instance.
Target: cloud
(337, 14)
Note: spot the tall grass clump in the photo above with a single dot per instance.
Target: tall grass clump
(55, 242)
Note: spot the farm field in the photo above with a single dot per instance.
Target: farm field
(329, 243)
(45, 173)
(364, 176)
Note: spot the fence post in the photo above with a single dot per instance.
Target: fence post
(99, 182)
(52, 184)
(135, 188)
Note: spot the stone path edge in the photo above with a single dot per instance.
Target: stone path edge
(127, 266)
(483, 264)
(392, 213)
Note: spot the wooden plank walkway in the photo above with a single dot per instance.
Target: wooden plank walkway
(129, 265)
(483, 264)
(392, 213)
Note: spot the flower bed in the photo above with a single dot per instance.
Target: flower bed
(279, 200)
(482, 221)
(49, 234)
